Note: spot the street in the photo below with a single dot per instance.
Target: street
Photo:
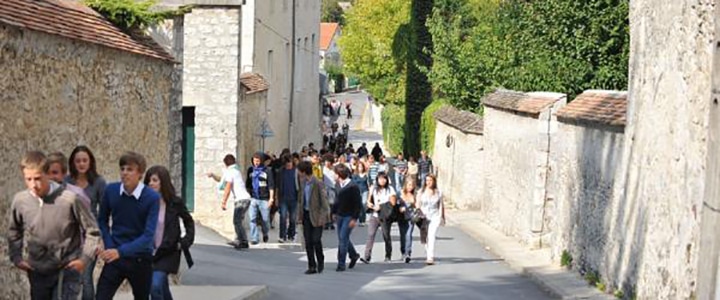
(463, 269)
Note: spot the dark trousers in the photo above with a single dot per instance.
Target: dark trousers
(374, 223)
(138, 271)
(313, 243)
(241, 208)
(88, 289)
(47, 286)
(288, 213)
(405, 240)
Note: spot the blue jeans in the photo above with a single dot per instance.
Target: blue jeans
(241, 208)
(88, 290)
(345, 245)
(363, 214)
(259, 207)
(288, 212)
(407, 231)
(66, 283)
(160, 289)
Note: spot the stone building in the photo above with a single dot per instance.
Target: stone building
(69, 77)
(518, 129)
(588, 222)
(459, 159)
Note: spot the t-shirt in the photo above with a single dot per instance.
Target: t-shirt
(232, 175)
(381, 196)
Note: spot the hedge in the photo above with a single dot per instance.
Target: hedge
(393, 123)
(427, 127)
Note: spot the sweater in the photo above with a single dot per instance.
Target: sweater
(133, 221)
(348, 202)
(55, 226)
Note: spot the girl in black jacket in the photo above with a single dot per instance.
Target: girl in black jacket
(168, 243)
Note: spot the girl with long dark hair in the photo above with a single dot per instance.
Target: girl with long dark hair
(167, 235)
(381, 194)
(83, 173)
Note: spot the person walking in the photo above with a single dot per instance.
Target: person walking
(413, 170)
(232, 186)
(128, 219)
(260, 185)
(381, 194)
(431, 204)
(405, 224)
(348, 108)
(330, 181)
(288, 186)
(376, 151)
(426, 166)
(373, 169)
(83, 174)
(362, 180)
(313, 214)
(346, 212)
(166, 259)
(57, 171)
(61, 233)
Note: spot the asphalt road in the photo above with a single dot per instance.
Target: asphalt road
(462, 270)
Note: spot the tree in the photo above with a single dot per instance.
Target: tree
(372, 48)
(332, 12)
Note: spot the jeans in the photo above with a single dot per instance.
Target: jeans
(408, 232)
(313, 243)
(241, 208)
(47, 286)
(373, 225)
(363, 214)
(160, 289)
(259, 207)
(138, 271)
(88, 290)
(288, 214)
(345, 245)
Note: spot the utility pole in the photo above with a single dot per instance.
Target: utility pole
(292, 79)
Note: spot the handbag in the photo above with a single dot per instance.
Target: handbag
(417, 216)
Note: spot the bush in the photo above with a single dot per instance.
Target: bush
(132, 15)
(566, 259)
(427, 127)
(393, 123)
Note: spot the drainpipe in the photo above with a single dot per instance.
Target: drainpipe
(547, 177)
(292, 80)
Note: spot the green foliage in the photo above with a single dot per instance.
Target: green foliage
(427, 127)
(552, 45)
(335, 73)
(418, 93)
(393, 123)
(131, 15)
(592, 278)
(619, 294)
(566, 259)
(331, 12)
(601, 286)
(373, 47)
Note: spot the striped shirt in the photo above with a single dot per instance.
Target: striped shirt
(373, 171)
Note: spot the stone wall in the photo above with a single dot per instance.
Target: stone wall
(59, 93)
(460, 165)
(587, 221)
(211, 84)
(671, 55)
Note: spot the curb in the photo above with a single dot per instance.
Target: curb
(557, 281)
(256, 293)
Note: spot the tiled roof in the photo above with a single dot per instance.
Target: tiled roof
(596, 107)
(327, 32)
(526, 103)
(464, 121)
(253, 83)
(73, 20)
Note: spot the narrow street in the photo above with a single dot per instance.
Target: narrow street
(463, 269)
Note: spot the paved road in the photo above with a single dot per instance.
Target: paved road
(463, 269)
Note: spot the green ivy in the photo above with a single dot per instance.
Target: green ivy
(131, 15)
(427, 128)
(393, 123)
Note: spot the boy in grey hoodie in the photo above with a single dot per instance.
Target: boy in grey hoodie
(62, 234)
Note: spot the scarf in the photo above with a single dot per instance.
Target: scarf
(257, 171)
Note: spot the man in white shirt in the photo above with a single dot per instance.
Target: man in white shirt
(233, 186)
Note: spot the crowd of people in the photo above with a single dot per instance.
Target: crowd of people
(323, 190)
(68, 217)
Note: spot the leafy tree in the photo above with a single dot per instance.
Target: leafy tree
(373, 51)
(332, 12)
(132, 15)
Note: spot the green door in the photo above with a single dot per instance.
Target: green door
(188, 157)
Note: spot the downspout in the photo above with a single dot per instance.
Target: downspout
(292, 79)
(547, 177)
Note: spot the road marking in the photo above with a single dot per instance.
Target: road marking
(360, 125)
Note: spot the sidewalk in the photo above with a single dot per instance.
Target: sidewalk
(535, 264)
(181, 292)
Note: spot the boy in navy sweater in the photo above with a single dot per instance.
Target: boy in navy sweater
(133, 208)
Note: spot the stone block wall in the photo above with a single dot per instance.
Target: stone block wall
(460, 166)
(588, 220)
(59, 93)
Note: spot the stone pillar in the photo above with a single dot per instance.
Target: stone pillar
(211, 73)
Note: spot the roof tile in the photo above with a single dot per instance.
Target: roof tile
(73, 20)
(253, 83)
(596, 107)
(327, 32)
(464, 121)
(527, 103)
